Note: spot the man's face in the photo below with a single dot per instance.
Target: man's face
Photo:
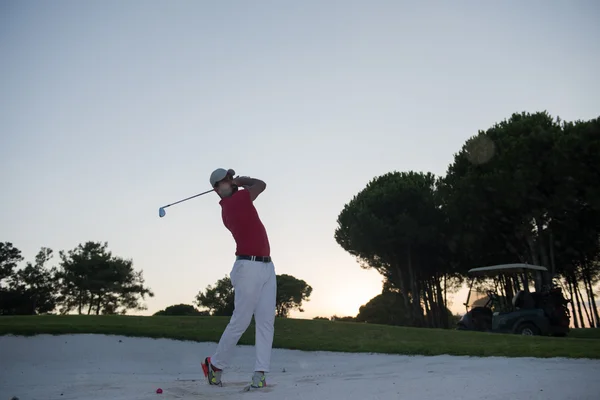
(225, 188)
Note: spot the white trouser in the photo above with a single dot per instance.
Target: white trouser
(255, 288)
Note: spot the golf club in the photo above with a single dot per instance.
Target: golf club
(162, 212)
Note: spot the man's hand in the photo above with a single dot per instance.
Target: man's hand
(243, 181)
(254, 186)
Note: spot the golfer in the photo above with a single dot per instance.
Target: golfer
(253, 276)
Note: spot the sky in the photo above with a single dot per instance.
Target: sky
(109, 110)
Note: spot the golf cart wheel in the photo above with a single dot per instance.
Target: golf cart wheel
(527, 329)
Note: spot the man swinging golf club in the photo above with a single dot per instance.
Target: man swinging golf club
(252, 276)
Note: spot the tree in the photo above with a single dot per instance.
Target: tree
(36, 285)
(29, 290)
(181, 310)
(574, 232)
(291, 292)
(218, 299)
(387, 308)
(9, 257)
(526, 190)
(397, 226)
(93, 280)
(10, 301)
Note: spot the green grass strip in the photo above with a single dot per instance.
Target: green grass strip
(317, 335)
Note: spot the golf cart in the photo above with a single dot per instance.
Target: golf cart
(542, 312)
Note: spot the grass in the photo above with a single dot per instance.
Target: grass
(585, 333)
(315, 335)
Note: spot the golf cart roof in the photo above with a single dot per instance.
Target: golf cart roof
(506, 268)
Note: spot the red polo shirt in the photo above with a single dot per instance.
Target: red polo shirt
(242, 220)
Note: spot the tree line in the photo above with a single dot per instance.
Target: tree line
(218, 299)
(89, 279)
(526, 190)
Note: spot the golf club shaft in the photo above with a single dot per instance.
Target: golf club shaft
(191, 197)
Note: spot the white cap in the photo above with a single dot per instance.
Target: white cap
(219, 174)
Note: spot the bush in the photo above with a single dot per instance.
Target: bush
(181, 309)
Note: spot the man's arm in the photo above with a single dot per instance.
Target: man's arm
(253, 186)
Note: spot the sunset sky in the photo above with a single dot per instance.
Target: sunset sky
(109, 110)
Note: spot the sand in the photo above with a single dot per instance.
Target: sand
(115, 367)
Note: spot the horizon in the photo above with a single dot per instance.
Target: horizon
(108, 112)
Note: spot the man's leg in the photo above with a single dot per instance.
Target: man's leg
(264, 316)
(247, 282)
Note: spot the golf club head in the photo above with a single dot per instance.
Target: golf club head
(161, 212)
